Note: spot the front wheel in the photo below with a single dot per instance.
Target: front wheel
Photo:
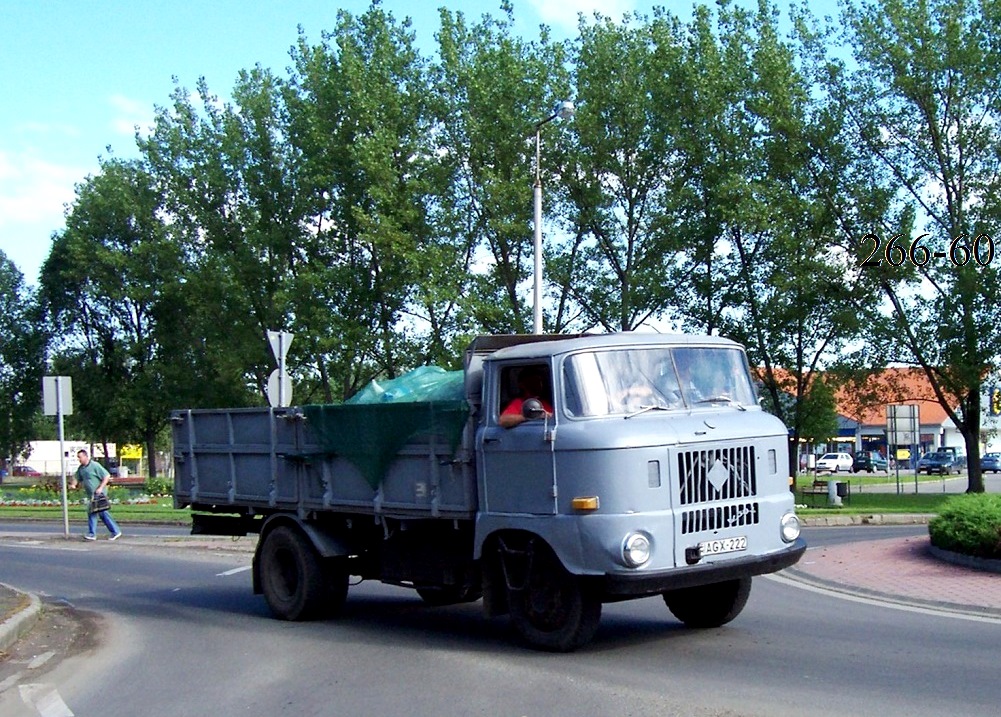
(709, 605)
(553, 610)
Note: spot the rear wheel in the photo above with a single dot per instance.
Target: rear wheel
(709, 605)
(297, 583)
(553, 610)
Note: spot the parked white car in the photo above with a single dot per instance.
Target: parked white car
(835, 462)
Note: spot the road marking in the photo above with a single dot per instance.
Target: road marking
(10, 682)
(41, 660)
(40, 545)
(886, 602)
(234, 571)
(45, 700)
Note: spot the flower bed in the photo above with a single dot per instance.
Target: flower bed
(47, 496)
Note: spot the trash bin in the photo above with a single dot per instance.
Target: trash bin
(842, 489)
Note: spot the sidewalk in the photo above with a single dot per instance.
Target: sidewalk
(906, 571)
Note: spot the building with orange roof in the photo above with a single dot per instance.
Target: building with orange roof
(863, 405)
(866, 407)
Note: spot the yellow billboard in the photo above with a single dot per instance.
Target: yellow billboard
(131, 451)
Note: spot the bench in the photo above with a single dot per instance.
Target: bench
(820, 488)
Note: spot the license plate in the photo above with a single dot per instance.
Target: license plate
(724, 545)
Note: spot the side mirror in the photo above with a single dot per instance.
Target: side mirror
(532, 409)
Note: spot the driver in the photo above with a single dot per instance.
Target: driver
(531, 384)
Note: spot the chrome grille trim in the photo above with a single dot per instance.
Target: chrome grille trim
(719, 517)
(716, 474)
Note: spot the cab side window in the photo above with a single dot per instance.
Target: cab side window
(523, 382)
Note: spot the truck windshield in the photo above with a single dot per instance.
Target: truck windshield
(603, 383)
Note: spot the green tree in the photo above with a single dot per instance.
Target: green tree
(223, 175)
(923, 108)
(109, 288)
(363, 132)
(23, 344)
(756, 259)
(619, 173)
(492, 89)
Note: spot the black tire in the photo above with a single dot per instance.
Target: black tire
(436, 597)
(709, 605)
(297, 583)
(553, 610)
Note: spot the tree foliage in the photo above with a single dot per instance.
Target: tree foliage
(112, 288)
(924, 107)
(721, 175)
(23, 345)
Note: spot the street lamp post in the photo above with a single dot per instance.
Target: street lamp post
(563, 110)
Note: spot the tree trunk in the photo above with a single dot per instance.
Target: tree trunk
(151, 453)
(971, 436)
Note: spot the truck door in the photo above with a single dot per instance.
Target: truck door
(516, 464)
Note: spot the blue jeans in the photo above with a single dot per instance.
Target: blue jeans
(106, 518)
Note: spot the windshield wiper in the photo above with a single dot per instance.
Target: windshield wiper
(723, 399)
(644, 409)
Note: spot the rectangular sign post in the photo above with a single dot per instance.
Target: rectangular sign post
(57, 400)
(903, 424)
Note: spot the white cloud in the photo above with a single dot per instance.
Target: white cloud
(33, 189)
(563, 15)
(33, 193)
(49, 129)
(130, 114)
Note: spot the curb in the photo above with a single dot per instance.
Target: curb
(870, 519)
(16, 626)
(800, 576)
(987, 565)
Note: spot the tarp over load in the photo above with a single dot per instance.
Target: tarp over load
(427, 383)
(426, 404)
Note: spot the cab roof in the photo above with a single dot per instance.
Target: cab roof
(547, 346)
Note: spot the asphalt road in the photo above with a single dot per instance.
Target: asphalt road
(176, 631)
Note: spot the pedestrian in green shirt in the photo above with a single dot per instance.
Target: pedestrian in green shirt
(95, 479)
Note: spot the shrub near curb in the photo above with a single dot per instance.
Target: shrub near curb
(969, 524)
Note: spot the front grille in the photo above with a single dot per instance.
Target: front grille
(716, 474)
(719, 517)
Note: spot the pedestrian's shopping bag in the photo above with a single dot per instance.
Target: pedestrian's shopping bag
(99, 503)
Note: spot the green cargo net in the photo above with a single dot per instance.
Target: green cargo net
(370, 435)
(369, 429)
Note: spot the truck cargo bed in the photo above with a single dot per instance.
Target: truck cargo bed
(261, 460)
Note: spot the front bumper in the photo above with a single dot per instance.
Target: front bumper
(637, 584)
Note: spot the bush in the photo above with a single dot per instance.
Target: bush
(969, 524)
(158, 486)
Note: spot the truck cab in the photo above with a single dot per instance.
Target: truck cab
(656, 469)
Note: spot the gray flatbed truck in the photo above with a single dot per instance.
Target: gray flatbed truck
(647, 468)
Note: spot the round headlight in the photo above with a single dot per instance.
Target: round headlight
(636, 549)
(790, 527)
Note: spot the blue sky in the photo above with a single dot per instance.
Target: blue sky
(81, 75)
